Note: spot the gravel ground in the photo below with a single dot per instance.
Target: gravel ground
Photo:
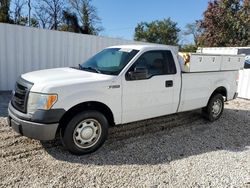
(181, 150)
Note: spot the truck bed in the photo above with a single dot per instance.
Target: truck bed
(198, 87)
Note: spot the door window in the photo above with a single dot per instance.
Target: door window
(153, 63)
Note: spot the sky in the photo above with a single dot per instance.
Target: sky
(120, 17)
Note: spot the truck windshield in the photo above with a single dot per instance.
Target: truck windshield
(110, 61)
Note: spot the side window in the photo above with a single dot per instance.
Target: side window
(151, 64)
(171, 68)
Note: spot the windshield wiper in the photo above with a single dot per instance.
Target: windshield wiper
(80, 66)
(89, 69)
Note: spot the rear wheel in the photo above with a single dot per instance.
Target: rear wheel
(85, 133)
(215, 107)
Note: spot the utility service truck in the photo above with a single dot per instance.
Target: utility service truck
(119, 85)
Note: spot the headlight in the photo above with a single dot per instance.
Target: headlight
(39, 101)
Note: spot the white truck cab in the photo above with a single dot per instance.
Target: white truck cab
(121, 84)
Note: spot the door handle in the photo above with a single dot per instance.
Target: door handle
(169, 83)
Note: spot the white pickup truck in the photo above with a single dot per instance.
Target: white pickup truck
(121, 84)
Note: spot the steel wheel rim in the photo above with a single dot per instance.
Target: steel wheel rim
(217, 107)
(87, 133)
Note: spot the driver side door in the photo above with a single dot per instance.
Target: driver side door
(150, 87)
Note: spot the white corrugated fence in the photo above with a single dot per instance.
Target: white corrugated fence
(24, 49)
(244, 84)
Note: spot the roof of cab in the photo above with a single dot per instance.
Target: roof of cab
(145, 46)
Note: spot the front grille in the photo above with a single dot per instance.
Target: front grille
(20, 97)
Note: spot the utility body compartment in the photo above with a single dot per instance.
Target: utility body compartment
(213, 62)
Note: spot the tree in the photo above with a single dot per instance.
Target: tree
(17, 7)
(4, 11)
(33, 22)
(49, 13)
(84, 15)
(226, 23)
(188, 48)
(194, 30)
(245, 17)
(71, 23)
(162, 32)
(42, 16)
(17, 15)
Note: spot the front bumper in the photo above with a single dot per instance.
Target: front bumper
(28, 128)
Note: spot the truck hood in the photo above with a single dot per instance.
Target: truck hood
(63, 76)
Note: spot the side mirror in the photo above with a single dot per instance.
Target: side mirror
(247, 65)
(139, 73)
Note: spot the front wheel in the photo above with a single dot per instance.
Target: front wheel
(215, 107)
(85, 133)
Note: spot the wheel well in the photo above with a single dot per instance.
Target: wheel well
(92, 105)
(220, 90)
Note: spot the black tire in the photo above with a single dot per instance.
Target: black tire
(87, 121)
(212, 112)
